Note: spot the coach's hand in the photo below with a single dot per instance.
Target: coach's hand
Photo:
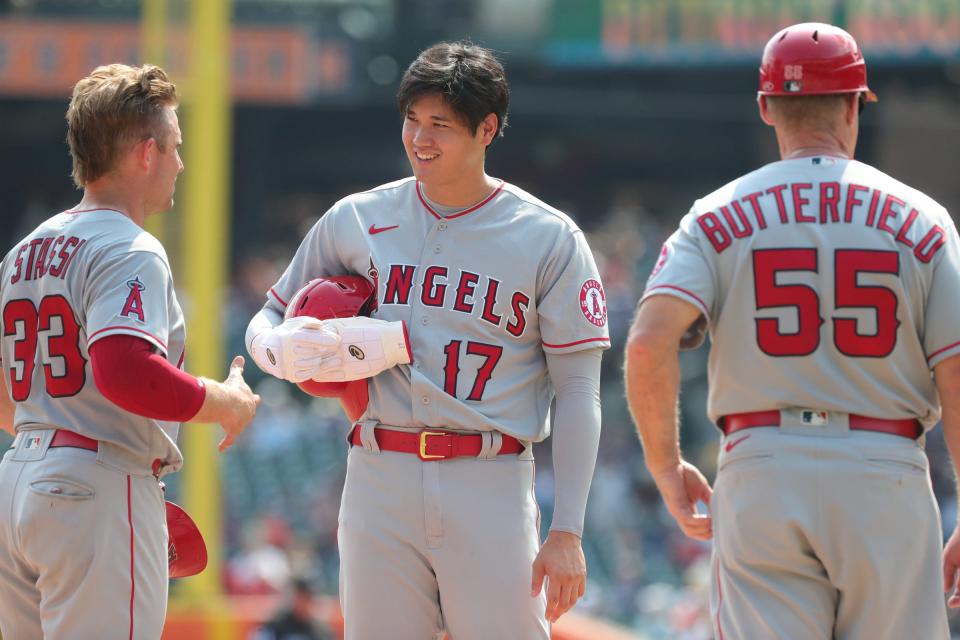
(951, 569)
(561, 562)
(682, 486)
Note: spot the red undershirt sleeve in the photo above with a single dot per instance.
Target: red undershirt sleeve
(130, 374)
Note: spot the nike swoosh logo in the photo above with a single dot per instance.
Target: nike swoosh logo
(730, 445)
(374, 229)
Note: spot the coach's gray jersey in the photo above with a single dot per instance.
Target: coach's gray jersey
(78, 277)
(477, 290)
(827, 284)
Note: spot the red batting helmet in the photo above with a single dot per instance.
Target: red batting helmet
(813, 59)
(186, 550)
(335, 297)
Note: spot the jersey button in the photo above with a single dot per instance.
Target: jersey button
(425, 321)
(436, 249)
(442, 226)
(425, 400)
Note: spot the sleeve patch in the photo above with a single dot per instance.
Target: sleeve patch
(593, 303)
(133, 307)
(662, 260)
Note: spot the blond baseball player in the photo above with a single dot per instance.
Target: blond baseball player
(830, 293)
(92, 352)
(488, 305)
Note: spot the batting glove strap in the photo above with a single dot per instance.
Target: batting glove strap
(367, 347)
(295, 349)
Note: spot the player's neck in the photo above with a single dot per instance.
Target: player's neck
(108, 194)
(460, 194)
(813, 144)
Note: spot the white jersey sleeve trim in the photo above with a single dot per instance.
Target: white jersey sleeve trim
(677, 292)
(131, 331)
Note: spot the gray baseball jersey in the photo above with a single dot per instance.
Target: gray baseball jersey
(826, 284)
(831, 291)
(483, 292)
(81, 276)
(95, 561)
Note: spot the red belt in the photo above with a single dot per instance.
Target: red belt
(906, 427)
(65, 438)
(434, 445)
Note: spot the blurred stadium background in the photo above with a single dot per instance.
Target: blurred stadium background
(623, 112)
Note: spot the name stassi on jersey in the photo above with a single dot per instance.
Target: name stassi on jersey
(837, 205)
(50, 255)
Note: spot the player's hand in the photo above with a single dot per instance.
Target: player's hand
(682, 486)
(951, 569)
(294, 349)
(242, 407)
(561, 562)
(367, 346)
(230, 403)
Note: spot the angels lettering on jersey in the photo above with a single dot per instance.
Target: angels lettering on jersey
(468, 291)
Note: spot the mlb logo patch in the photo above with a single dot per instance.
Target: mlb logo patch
(814, 418)
(33, 442)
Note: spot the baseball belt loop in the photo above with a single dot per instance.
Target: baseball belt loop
(368, 437)
(492, 442)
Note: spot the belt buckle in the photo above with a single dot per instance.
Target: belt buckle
(422, 452)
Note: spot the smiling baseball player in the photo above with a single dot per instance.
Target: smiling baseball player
(830, 290)
(499, 298)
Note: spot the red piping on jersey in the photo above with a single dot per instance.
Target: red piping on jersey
(146, 333)
(73, 211)
(939, 351)
(279, 299)
(719, 599)
(570, 344)
(133, 583)
(462, 213)
(703, 307)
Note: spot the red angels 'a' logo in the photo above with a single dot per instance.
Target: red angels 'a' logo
(593, 303)
(134, 304)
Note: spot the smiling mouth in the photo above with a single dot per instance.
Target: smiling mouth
(426, 157)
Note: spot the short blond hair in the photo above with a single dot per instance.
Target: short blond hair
(112, 107)
(819, 112)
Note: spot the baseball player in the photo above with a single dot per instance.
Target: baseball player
(92, 352)
(499, 297)
(830, 294)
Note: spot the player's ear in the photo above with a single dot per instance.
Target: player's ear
(145, 152)
(488, 128)
(764, 107)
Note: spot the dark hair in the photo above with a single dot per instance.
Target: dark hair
(469, 78)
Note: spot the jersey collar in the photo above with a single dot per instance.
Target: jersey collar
(436, 215)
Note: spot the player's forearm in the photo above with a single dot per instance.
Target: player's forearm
(265, 319)
(7, 410)
(576, 434)
(947, 375)
(652, 378)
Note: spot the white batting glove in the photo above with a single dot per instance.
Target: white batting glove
(295, 349)
(367, 347)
